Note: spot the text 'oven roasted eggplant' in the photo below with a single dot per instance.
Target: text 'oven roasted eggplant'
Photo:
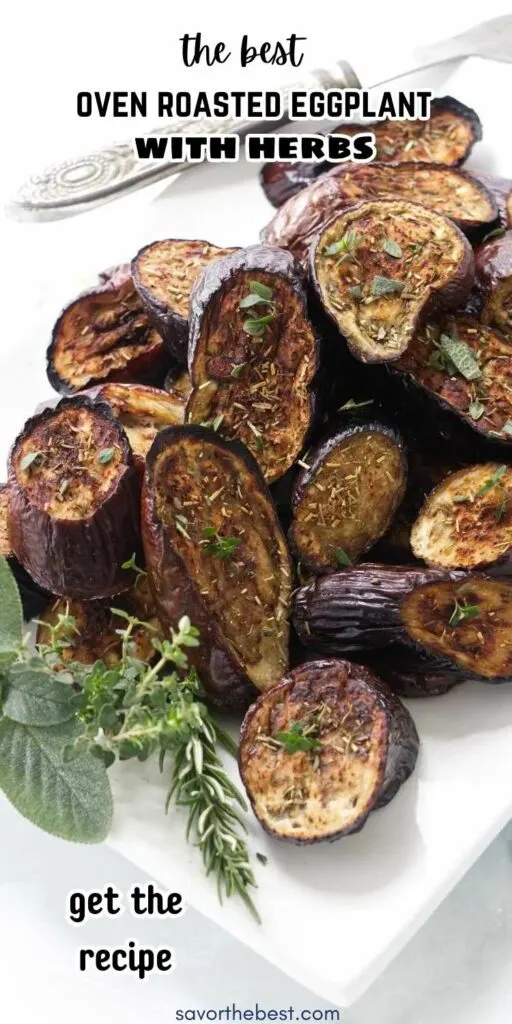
(74, 500)
(253, 354)
(347, 493)
(323, 749)
(382, 267)
(215, 551)
(33, 598)
(142, 411)
(105, 335)
(454, 193)
(164, 273)
(466, 522)
(494, 277)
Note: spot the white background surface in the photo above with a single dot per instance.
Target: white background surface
(458, 967)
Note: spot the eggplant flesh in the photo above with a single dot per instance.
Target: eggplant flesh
(476, 389)
(33, 598)
(215, 552)
(74, 500)
(494, 276)
(470, 623)
(252, 366)
(363, 747)
(466, 522)
(142, 411)
(164, 273)
(451, 192)
(346, 494)
(364, 262)
(105, 335)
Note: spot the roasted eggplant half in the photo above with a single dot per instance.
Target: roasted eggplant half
(142, 411)
(164, 273)
(465, 368)
(346, 493)
(97, 626)
(323, 749)
(455, 193)
(466, 522)
(357, 609)
(447, 137)
(494, 275)
(382, 267)
(412, 671)
(33, 599)
(215, 551)
(105, 335)
(74, 500)
(501, 190)
(253, 354)
(468, 622)
(179, 384)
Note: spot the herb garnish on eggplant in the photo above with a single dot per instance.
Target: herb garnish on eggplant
(164, 273)
(215, 551)
(381, 267)
(253, 354)
(74, 500)
(323, 749)
(347, 493)
(105, 335)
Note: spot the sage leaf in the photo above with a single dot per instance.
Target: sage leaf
(36, 698)
(476, 410)
(11, 615)
(262, 290)
(68, 798)
(461, 356)
(392, 248)
(386, 286)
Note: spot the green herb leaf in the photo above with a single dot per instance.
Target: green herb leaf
(11, 615)
(476, 410)
(356, 292)
(385, 286)
(352, 404)
(392, 248)
(261, 290)
(237, 369)
(347, 245)
(501, 509)
(463, 611)
(222, 547)
(29, 459)
(68, 798)
(296, 738)
(492, 481)
(218, 420)
(262, 858)
(342, 557)
(253, 327)
(105, 456)
(461, 355)
(35, 697)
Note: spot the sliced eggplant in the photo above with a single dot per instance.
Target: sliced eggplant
(357, 609)
(323, 749)
(494, 276)
(501, 189)
(414, 671)
(98, 626)
(466, 522)
(178, 385)
(455, 193)
(33, 599)
(470, 623)
(105, 335)
(466, 368)
(164, 273)
(74, 500)
(142, 411)
(382, 267)
(447, 137)
(347, 493)
(253, 354)
(215, 551)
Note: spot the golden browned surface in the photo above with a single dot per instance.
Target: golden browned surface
(97, 638)
(467, 520)
(143, 411)
(482, 642)
(258, 386)
(100, 334)
(498, 307)
(5, 544)
(69, 478)
(443, 139)
(486, 400)
(320, 792)
(168, 269)
(429, 253)
(350, 500)
(248, 591)
(179, 387)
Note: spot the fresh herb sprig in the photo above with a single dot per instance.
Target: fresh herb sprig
(218, 545)
(462, 611)
(259, 295)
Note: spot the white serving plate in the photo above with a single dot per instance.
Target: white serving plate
(333, 916)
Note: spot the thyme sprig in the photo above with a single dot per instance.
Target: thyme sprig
(259, 295)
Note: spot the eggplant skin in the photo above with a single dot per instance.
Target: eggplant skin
(33, 599)
(501, 189)
(347, 497)
(413, 671)
(142, 411)
(368, 746)
(493, 261)
(268, 402)
(223, 651)
(163, 274)
(456, 194)
(358, 609)
(78, 557)
(379, 325)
